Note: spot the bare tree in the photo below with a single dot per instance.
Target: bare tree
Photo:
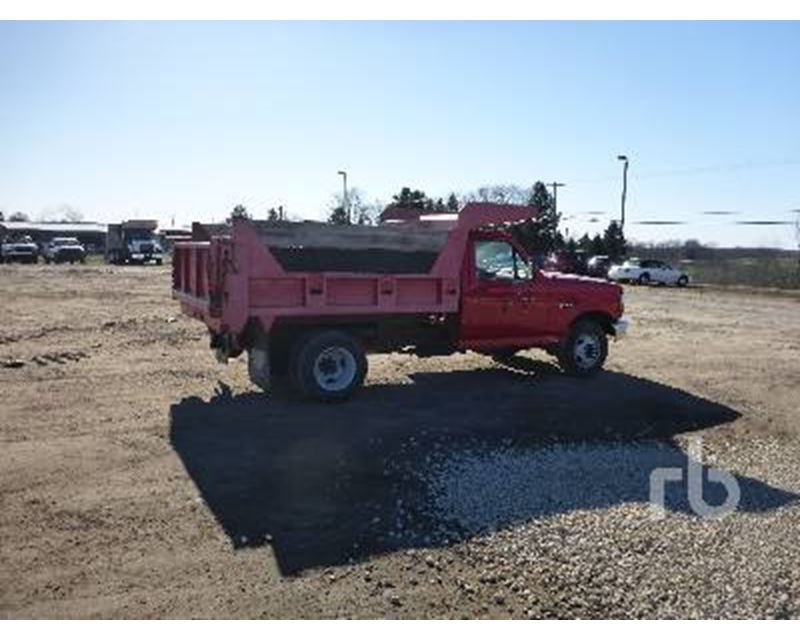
(61, 213)
(361, 211)
(500, 194)
(71, 215)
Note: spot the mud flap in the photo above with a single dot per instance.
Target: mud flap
(258, 366)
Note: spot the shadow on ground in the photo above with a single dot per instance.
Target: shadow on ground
(326, 484)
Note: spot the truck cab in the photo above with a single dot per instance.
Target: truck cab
(508, 303)
(133, 242)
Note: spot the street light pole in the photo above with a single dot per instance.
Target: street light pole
(345, 202)
(555, 186)
(624, 160)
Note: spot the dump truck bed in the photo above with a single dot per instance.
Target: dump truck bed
(264, 270)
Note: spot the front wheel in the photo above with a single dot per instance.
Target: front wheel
(644, 279)
(583, 352)
(328, 366)
(683, 281)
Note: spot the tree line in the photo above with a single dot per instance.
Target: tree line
(540, 235)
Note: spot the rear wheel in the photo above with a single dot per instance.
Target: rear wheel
(583, 352)
(328, 366)
(644, 278)
(683, 281)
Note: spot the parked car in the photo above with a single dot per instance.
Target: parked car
(598, 266)
(64, 250)
(22, 249)
(566, 262)
(647, 272)
(307, 301)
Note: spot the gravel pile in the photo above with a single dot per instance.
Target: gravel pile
(566, 530)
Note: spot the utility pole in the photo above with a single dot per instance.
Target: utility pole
(345, 202)
(555, 186)
(624, 160)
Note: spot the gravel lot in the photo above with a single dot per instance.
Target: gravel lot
(139, 478)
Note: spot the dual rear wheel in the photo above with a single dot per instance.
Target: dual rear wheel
(327, 366)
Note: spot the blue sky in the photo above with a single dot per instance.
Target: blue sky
(188, 119)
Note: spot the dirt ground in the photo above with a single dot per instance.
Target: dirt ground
(140, 478)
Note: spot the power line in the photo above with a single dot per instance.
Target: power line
(691, 171)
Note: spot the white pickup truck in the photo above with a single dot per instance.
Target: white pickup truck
(22, 249)
(64, 250)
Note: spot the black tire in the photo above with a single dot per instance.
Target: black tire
(584, 350)
(159, 261)
(683, 281)
(644, 279)
(347, 362)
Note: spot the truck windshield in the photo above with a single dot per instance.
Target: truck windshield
(497, 260)
(139, 234)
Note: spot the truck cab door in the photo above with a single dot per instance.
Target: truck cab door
(496, 307)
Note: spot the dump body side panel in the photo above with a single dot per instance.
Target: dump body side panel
(269, 292)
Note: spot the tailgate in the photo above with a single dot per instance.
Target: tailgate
(194, 280)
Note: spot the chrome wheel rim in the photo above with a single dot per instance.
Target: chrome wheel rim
(587, 350)
(334, 369)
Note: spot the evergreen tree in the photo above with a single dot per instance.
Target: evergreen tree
(614, 240)
(598, 246)
(410, 199)
(239, 211)
(338, 216)
(452, 203)
(540, 234)
(585, 243)
(571, 245)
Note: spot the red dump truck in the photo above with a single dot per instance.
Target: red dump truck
(309, 300)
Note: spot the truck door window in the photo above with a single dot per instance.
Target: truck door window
(497, 260)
